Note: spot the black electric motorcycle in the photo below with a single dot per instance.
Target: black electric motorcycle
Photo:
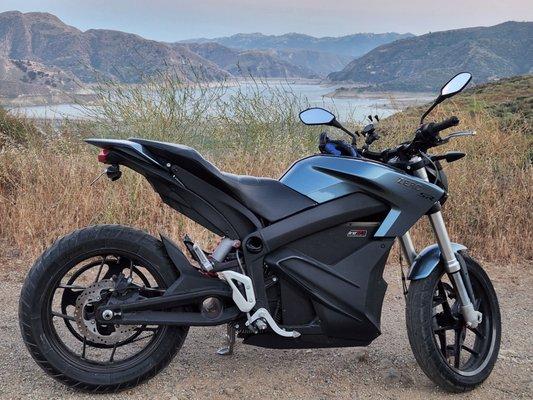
(299, 264)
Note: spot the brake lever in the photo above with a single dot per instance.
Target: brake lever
(456, 135)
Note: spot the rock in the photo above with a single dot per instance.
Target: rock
(393, 375)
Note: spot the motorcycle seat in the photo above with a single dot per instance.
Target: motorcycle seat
(267, 198)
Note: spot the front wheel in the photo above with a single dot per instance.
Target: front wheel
(452, 355)
(65, 287)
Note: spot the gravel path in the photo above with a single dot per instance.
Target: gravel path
(384, 370)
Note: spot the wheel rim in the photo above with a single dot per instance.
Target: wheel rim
(465, 350)
(60, 323)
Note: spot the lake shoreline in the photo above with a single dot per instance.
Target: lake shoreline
(314, 93)
(47, 100)
(88, 96)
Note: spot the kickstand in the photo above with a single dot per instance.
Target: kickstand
(227, 350)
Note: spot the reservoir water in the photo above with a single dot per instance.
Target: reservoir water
(357, 108)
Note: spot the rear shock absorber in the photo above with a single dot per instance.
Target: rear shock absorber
(207, 262)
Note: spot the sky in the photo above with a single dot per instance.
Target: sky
(173, 20)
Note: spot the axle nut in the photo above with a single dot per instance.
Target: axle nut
(107, 315)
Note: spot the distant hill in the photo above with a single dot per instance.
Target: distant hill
(271, 63)
(25, 76)
(319, 62)
(45, 40)
(424, 62)
(245, 63)
(318, 55)
(503, 98)
(352, 45)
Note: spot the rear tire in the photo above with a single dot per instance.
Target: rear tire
(40, 336)
(428, 324)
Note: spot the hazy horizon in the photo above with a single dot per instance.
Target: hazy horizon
(167, 20)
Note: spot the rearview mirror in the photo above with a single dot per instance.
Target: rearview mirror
(451, 88)
(455, 85)
(317, 116)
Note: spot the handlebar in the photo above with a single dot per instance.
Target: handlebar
(435, 127)
(426, 136)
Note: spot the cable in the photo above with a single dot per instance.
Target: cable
(437, 172)
(239, 261)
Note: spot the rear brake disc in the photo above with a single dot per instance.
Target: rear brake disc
(86, 322)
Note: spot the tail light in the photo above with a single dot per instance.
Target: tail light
(102, 157)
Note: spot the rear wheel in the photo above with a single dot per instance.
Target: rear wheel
(65, 287)
(454, 356)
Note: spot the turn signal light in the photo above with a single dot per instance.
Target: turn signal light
(102, 157)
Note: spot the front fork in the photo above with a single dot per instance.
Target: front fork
(451, 264)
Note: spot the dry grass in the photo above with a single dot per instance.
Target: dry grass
(489, 205)
(44, 190)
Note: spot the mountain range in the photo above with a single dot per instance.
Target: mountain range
(318, 56)
(41, 54)
(351, 45)
(424, 62)
(257, 63)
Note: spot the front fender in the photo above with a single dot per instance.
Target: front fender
(426, 261)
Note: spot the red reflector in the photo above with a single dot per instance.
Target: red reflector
(102, 157)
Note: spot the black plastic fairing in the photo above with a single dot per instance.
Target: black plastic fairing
(190, 279)
(353, 207)
(331, 245)
(347, 296)
(197, 199)
(226, 211)
(267, 198)
(195, 206)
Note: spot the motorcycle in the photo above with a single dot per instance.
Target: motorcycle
(299, 263)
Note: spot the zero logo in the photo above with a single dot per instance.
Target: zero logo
(415, 186)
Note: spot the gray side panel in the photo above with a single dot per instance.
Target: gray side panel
(324, 178)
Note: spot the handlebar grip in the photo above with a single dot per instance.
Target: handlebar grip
(440, 126)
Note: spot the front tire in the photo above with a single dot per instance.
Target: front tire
(54, 334)
(453, 356)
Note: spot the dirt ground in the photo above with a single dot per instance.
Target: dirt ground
(384, 370)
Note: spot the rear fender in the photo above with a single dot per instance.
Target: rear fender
(126, 146)
(427, 260)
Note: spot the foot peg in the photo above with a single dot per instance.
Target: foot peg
(227, 350)
(267, 319)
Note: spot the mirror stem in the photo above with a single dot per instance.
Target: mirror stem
(337, 124)
(350, 133)
(435, 104)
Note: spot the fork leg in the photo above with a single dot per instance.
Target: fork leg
(451, 264)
